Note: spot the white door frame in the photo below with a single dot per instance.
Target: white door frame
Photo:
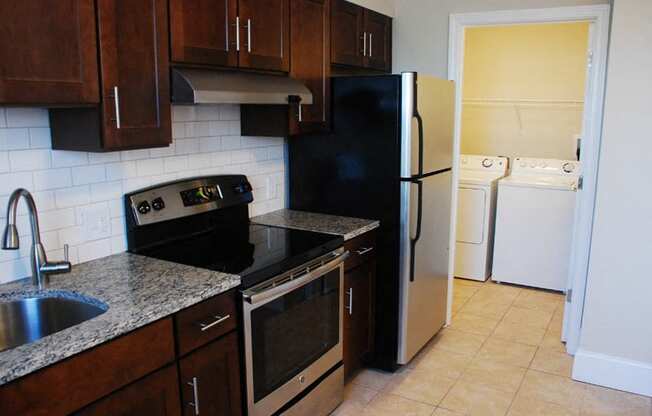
(599, 15)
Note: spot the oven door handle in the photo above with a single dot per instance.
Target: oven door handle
(259, 297)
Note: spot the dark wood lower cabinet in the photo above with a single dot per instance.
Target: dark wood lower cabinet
(358, 315)
(210, 379)
(154, 395)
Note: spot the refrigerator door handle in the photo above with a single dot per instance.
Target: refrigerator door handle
(417, 236)
(417, 116)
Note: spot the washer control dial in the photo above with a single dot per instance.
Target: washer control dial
(487, 163)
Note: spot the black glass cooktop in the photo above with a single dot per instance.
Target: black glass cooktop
(255, 252)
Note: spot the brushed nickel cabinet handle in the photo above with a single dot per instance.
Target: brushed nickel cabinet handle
(371, 38)
(364, 43)
(195, 395)
(349, 307)
(218, 320)
(249, 35)
(237, 33)
(364, 250)
(116, 102)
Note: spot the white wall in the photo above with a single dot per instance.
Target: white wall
(78, 194)
(616, 336)
(421, 28)
(381, 6)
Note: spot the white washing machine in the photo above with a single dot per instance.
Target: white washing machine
(534, 223)
(476, 211)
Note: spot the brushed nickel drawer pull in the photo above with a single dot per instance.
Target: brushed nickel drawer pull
(218, 320)
(364, 250)
(195, 394)
(349, 307)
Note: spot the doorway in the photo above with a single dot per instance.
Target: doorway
(597, 19)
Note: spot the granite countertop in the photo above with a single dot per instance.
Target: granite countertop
(138, 290)
(347, 227)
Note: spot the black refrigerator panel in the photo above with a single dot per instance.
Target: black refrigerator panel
(355, 171)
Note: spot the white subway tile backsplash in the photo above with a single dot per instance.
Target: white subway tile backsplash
(134, 154)
(57, 219)
(210, 144)
(72, 197)
(14, 139)
(109, 157)
(67, 184)
(231, 142)
(122, 170)
(65, 159)
(94, 250)
(4, 162)
(27, 117)
(11, 181)
(23, 160)
(88, 174)
(106, 191)
(52, 179)
(186, 146)
(175, 164)
(40, 138)
(148, 167)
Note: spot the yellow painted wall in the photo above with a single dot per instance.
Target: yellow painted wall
(523, 89)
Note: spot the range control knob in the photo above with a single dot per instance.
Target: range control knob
(144, 207)
(158, 204)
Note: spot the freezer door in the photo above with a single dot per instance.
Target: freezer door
(434, 115)
(424, 264)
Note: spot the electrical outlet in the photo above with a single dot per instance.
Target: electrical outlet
(96, 221)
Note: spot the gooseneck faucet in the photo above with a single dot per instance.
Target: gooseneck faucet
(41, 267)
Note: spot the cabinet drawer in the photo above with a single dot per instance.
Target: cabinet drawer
(71, 384)
(205, 321)
(361, 249)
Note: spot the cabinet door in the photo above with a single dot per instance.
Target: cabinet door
(135, 73)
(358, 315)
(310, 50)
(48, 52)
(264, 34)
(203, 32)
(347, 33)
(378, 29)
(155, 395)
(210, 379)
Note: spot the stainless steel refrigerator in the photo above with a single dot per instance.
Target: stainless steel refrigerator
(389, 157)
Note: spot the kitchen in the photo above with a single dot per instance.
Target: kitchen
(164, 154)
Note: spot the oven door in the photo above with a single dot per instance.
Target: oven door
(293, 332)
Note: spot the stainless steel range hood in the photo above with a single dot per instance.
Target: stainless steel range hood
(199, 86)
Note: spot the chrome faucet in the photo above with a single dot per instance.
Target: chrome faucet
(41, 267)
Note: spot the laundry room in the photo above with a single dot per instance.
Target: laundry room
(522, 118)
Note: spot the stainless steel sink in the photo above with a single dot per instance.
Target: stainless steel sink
(27, 319)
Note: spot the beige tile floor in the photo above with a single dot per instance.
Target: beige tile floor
(501, 355)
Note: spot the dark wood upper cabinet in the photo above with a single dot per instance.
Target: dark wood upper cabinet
(134, 111)
(347, 38)
(264, 34)
(155, 395)
(378, 29)
(210, 379)
(310, 62)
(360, 37)
(48, 53)
(203, 32)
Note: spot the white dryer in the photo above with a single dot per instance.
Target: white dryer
(476, 214)
(534, 223)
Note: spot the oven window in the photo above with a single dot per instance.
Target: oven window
(293, 331)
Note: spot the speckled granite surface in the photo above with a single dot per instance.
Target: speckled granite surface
(330, 224)
(137, 290)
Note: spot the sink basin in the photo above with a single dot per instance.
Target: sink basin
(27, 319)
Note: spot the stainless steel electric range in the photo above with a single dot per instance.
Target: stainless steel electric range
(291, 293)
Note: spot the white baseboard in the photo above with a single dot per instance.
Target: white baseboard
(614, 372)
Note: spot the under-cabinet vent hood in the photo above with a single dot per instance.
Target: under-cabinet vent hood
(198, 86)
